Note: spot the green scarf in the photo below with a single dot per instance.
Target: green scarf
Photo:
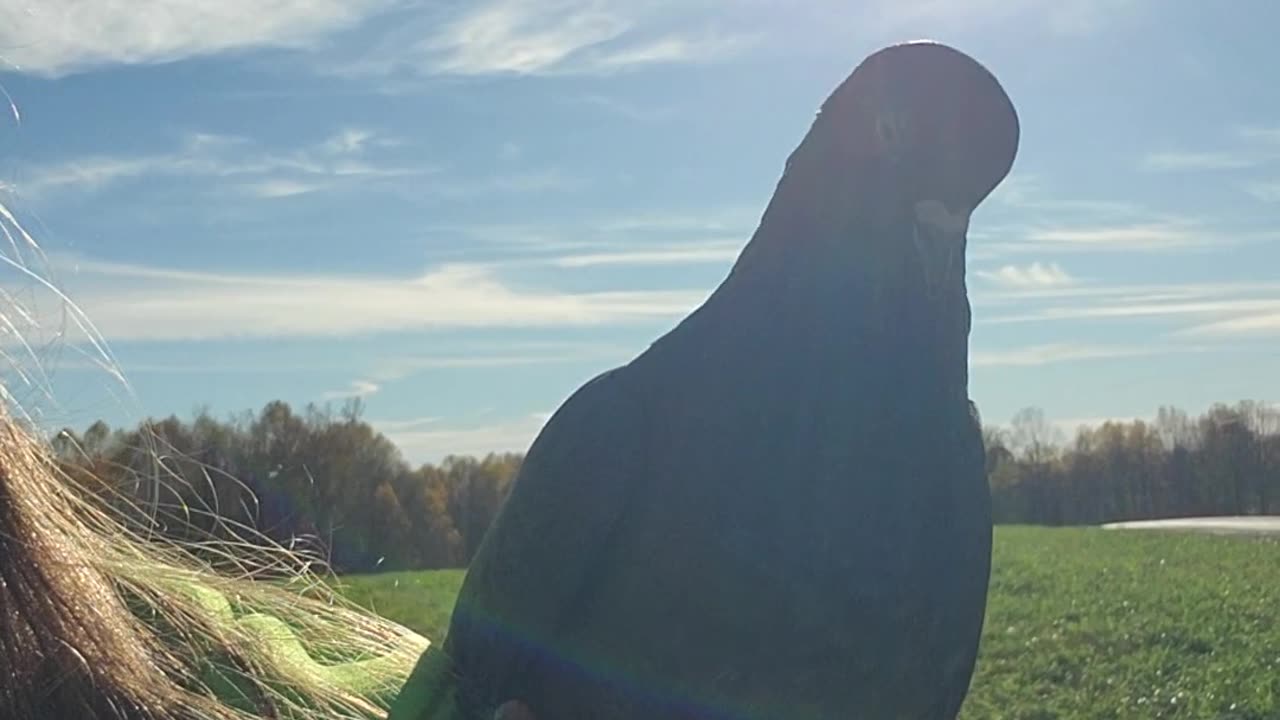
(363, 678)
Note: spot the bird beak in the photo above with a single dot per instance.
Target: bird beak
(939, 236)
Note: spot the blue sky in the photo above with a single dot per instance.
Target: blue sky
(460, 211)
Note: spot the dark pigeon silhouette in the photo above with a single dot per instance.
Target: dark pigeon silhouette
(780, 508)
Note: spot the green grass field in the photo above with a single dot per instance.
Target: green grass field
(1081, 624)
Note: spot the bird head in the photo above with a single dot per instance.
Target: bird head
(917, 137)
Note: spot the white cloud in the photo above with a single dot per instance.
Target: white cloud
(1027, 191)
(357, 389)
(557, 37)
(720, 252)
(530, 181)
(1259, 133)
(676, 49)
(91, 172)
(1098, 292)
(431, 439)
(1268, 192)
(1150, 235)
(717, 220)
(236, 163)
(60, 37)
(130, 302)
(1034, 275)
(1241, 309)
(510, 151)
(1169, 161)
(1136, 236)
(1098, 226)
(521, 37)
(711, 235)
(387, 369)
(1261, 146)
(621, 107)
(1054, 353)
(280, 188)
(377, 368)
(1138, 309)
(348, 141)
(544, 37)
(1017, 189)
(1266, 324)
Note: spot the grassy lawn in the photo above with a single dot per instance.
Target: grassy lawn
(421, 601)
(1081, 624)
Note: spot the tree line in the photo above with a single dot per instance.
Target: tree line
(319, 481)
(1223, 462)
(327, 482)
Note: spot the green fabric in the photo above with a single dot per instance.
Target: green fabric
(363, 678)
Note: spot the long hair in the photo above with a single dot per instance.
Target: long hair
(100, 619)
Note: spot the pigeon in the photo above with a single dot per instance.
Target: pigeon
(779, 509)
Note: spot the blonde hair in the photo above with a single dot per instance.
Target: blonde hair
(100, 618)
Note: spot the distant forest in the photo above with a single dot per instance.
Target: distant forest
(328, 483)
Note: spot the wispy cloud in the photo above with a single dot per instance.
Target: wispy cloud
(343, 161)
(693, 253)
(1259, 147)
(1147, 236)
(353, 141)
(1254, 146)
(280, 188)
(1153, 233)
(622, 108)
(397, 367)
(705, 47)
(510, 151)
(1083, 292)
(527, 181)
(431, 439)
(1211, 303)
(520, 37)
(1054, 353)
(1175, 313)
(1028, 191)
(1036, 274)
(712, 220)
(1017, 225)
(90, 173)
(546, 37)
(132, 302)
(382, 367)
(1268, 192)
(715, 234)
(594, 37)
(236, 163)
(357, 389)
(60, 37)
(1131, 310)
(1245, 325)
(1260, 133)
(1200, 161)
